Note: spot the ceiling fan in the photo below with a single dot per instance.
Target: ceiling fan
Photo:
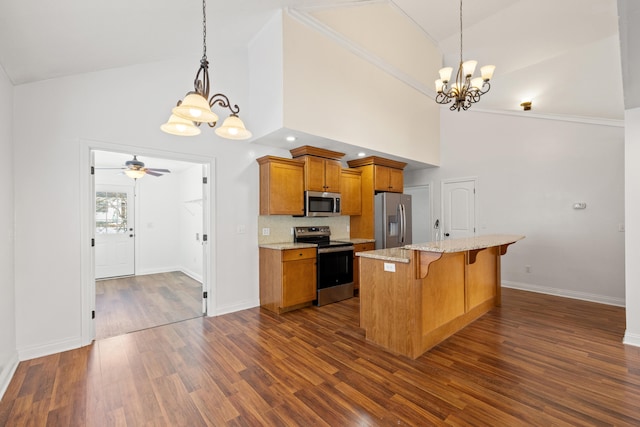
(135, 169)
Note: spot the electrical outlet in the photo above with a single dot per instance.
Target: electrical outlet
(621, 227)
(388, 266)
(266, 231)
(241, 229)
(527, 269)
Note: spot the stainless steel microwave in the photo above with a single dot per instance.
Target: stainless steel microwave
(317, 203)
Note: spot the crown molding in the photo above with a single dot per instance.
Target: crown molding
(303, 16)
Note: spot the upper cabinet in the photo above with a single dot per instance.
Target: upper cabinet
(388, 179)
(387, 174)
(281, 186)
(350, 191)
(322, 168)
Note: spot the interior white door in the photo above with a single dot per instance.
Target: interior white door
(114, 232)
(458, 209)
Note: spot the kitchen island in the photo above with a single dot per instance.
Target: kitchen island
(414, 297)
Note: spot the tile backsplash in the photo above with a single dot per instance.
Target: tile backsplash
(281, 227)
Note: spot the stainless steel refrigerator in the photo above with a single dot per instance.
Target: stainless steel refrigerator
(392, 220)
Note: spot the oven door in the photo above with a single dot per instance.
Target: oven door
(335, 266)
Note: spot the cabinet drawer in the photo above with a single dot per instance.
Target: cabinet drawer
(296, 254)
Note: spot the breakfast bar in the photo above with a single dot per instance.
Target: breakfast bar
(414, 297)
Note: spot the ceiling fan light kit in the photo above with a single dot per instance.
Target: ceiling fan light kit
(466, 89)
(196, 106)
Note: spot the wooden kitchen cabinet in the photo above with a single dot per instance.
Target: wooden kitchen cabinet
(388, 179)
(281, 186)
(351, 191)
(287, 278)
(359, 247)
(376, 173)
(322, 168)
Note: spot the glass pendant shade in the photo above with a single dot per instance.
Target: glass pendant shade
(469, 67)
(445, 73)
(439, 85)
(477, 83)
(487, 72)
(196, 108)
(233, 128)
(135, 173)
(179, 126)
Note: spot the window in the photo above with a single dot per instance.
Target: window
(111, 212)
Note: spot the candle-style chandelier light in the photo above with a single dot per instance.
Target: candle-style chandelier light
(196, 106)
(466, 89)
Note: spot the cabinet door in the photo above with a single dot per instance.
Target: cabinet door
(314, 173)
(332, 170)
(381, 178)
(281, 187)
(298, 281)
(396, 180)
(351, 192)
(359, 247)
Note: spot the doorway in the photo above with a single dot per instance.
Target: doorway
(162, 288)
(459, 208)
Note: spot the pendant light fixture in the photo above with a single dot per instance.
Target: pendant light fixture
(196, 106)
(466, 89)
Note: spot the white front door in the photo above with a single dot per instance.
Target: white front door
(458, 208)
(114, 233)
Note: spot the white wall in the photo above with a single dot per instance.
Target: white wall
(8, 354)
(530, 171)
(122, 106)
(632, 212)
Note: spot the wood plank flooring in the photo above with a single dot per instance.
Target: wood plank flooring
(128, 304)
(537, 360)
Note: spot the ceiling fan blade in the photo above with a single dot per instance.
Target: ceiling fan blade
(149, 172)
(158, 170)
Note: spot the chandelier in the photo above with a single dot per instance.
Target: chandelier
(466, 89)
(196, 106)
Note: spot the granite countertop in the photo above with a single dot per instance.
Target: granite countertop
(287, 245)
(391, 255)
(453, 245)
(466, 244)
(291, 245)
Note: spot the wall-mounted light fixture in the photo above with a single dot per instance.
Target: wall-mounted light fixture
(526, 105)
(196, 106)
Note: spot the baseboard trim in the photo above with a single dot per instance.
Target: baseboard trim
(602, 299)
(631, 339)
(54, 347)
(232, 308)
(194, 276)
(7, 373)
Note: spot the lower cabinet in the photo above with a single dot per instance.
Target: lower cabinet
(359, 247)
(287, 278)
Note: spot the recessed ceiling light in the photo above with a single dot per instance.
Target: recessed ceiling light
(361, 154)
(291, 138)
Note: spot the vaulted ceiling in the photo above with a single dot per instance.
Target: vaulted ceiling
(565, 55)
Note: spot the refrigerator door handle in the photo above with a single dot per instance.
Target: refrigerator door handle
(402, 223)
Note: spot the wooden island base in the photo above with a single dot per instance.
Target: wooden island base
(411, 300)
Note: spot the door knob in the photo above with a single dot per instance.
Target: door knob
(130, 235)
(446, 234)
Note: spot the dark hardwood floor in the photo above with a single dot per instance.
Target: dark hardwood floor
(537, 360)
(128, 304)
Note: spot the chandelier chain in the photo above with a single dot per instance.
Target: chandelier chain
(461, 31)
(204, 30)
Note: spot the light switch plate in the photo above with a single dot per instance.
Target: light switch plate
(389, 266)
